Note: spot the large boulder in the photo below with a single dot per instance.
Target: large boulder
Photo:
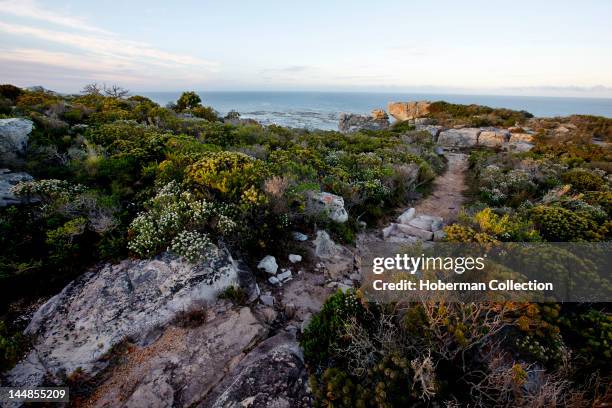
(9, 179)
(466, 137)
(350, 122)
(493, 137)
(130, 300)
(433, 130)
(327, 204)
(408, 110)
(14, 134)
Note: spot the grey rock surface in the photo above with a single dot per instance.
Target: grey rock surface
(327, 204)
(351, 122)
(466, 137)
(9, 179)
(14, 135)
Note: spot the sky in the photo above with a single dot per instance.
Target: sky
(536, 47)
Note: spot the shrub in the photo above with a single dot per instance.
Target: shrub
(12, 346)
(583, 180)
(10, 92)
(188, 100)
(193, 246)
(591, 333)
(559, 224)
(205, 112)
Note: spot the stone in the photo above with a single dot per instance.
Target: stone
(293, 258)
(439, 151)
(325, 247)
(105, 306)
(423, 121)
(434, 131)
(274, 280)
(519, 146)
(267, 300)
(298, 236)
(421, 222)
(521, 137)
(408, 110)
(406, 216)
(389, 230)
(9, 179)
(327, 204)
(273, 374)
(466, 137)
(14, 135)
(268, 264)
(284, 276)
(415, 232)
(351, 122)
(439, 235)
(493, 137)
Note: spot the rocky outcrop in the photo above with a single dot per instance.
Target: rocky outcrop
(433, 130)
(338, 259)
(466, 137)
(184, 365)
(102, 308)
(271, 375)
(9, 179)
(408, 110)
(411, 227)
(350, 122)
(493, 137)
(14, 134)
(327, 204)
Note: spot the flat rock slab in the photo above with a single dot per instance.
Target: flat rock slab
(466, 137)
(130, 300)
(182, 366)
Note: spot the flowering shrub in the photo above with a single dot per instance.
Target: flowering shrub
(171, 212)
(46, 190)
(584, 180)
(193, 246)
(498, 187)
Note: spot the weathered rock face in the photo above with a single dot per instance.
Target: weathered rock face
(433, 130)
(521, 137)
(466, 137)
(412, 227)
(271, 375)
(100, 309)
(408, 110)
(493, 137)
(14, 134)
(327, 204)
(7, 181)
(184, 365)
(338, 259)
(350, 122)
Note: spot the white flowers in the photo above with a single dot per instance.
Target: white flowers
(193, 246)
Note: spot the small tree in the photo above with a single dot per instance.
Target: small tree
(188, 100)
(92, 89)
(115, 91)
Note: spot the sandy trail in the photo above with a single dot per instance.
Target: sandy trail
(447, 194)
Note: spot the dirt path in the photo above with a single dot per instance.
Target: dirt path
(447, 194)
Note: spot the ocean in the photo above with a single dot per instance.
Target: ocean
(320, 110)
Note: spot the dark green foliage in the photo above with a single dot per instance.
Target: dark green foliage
(475, 115)
(188, 100)
(583, 180)
(12, 346)
(590, 332)
(10, 92)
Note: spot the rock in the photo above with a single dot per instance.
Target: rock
(408, 110)
(439, 235)
(439, 151)
(466, 137)
(406, 216)
(423, 121)
(183, 366)
(328, 204)
(284, 276)
(519, 146)
(415, 232)
(379, 114)
(267, 300)
(325, 247)
(293, 258)
(100, 309)
(14, 135)
(350, 122)
(521, 137)
(493, 137)
(7, 181)
(421, 222)
(389, 230)
(274, 280)
(271, 375)
(268, 264)
(434, 131)
(298, 236)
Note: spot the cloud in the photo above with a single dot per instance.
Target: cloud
(30, 9)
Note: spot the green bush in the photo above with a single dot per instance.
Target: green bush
(558, 224)
(188, 100)
(583, 180)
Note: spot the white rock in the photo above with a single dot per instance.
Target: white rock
(329, 204)
(406, 216)
(493, 137)
(14, 135)
(267, 300)
(7, 181)
(325, 247)
(415, 232)
(293, 258)
(388, 231)
(298, 236)
(421, 222)
(274, 280)
(268, 264)
(285, 275)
